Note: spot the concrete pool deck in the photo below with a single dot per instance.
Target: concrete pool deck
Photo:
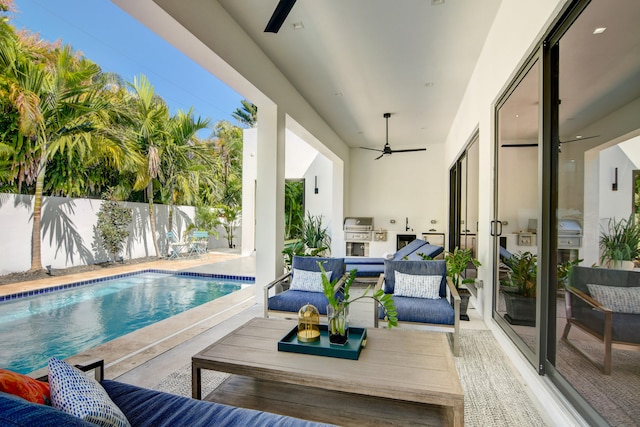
(139, 347)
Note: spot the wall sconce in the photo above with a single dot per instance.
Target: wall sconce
(315, 190)
(614, 186)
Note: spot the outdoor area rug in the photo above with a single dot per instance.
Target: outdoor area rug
(493, 394)
(614, 396)
(179, 382)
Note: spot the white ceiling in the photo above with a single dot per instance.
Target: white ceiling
(355, 60)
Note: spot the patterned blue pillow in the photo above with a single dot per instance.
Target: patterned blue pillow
(417, 286)
(74, 393)
(617, 299)
(310, 281)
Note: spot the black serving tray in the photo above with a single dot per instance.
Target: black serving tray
(322, 347)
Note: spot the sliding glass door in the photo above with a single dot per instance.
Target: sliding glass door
(517, 209)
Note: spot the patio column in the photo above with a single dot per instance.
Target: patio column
(269, 197)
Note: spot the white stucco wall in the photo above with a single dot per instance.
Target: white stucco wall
(517, 28)
(68, 236)
(302, 161)
(397, 187)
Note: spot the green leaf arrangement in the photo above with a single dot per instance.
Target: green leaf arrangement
(343, 300)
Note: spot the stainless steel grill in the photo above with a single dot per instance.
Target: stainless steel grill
(358, 229)
(569, 234)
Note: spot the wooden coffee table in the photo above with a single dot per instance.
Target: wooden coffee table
(398, 365)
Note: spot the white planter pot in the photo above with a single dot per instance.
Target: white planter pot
(621, 265)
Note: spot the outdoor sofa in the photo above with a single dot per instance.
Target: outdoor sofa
(374, 267)
(143, 407)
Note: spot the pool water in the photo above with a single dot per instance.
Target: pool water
(67, 322)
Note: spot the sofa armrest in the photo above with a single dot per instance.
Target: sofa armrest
(456, 313)
(378, 286)
(277, 284)
(379, 283)
(571, 291)
(96, 365)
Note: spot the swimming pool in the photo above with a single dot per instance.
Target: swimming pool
(68, 321)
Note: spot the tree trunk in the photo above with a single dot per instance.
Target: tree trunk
(170, 226)
(152, 219)
(36, 239)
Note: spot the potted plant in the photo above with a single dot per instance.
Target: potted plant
(620, 244)
(519, 289)
(338, 307)
(457, 263)
(313, 240)
(315, 236)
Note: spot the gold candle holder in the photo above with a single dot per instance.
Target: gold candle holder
(308, 324)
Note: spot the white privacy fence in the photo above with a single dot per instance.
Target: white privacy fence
(68, 232)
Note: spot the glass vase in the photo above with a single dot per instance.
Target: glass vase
(338, 324)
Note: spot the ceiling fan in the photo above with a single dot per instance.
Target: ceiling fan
(279, 15)
(561, 142)
(387, 148)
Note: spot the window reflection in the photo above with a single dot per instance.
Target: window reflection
(518, 206)
(599, 90)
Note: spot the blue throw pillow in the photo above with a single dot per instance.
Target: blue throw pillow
(74, 393)
(310, 281)
(417, 286)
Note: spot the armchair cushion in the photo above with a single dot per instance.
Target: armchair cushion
(427, 250)
(409, 248)
(310, 281)
(617, 299)
(419, 310)
(431, 268)
(292, 300)
(417, 286)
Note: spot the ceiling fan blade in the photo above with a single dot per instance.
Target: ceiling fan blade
(580, 139)
(408, 150)
(380, 156)
(372, 149)
(279, 15)
(518, 145)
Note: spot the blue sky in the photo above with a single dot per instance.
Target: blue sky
(118, 43)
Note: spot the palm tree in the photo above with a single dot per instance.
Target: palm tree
(150, 130)
(56, 97)
(228, 147)
(247, 115)
(187, 163)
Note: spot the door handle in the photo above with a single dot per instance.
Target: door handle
(496, 228)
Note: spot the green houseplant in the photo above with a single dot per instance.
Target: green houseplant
(457, 263)
(620, 243)
(564, 269)
(519, 289)
(338, 307)
(315, 235)
(313, 240)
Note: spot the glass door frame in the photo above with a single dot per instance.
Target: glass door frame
(456, 203)
(537, 358)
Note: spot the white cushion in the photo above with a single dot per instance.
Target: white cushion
(74, 393)
(616, 298)
(417, 286)
(310, 281)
